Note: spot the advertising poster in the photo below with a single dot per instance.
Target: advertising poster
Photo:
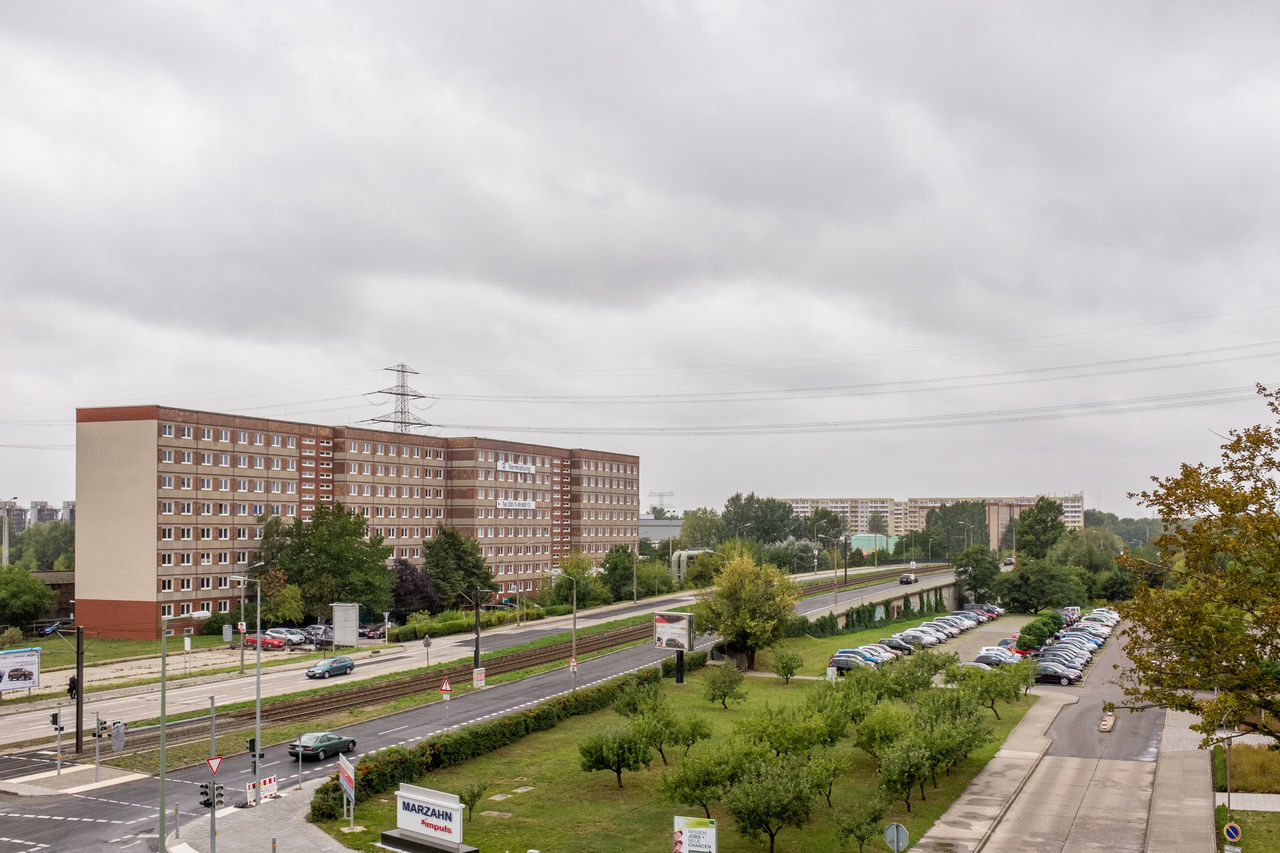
(19, 669)
(431, 814)
(694, 835)
(673, 631)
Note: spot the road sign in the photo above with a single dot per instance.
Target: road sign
(1231, 848)
(445, 688)
(214, 764)
(573, 664)
(895, 835)
(1231, 832)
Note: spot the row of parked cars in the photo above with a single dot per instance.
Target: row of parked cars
(928, 634)
(1064, 658)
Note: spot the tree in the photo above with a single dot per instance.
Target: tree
(786, 663)
(1036, 585)
(702, 779)
(863, 822)
(977, 568)
(956, 526)
(619, 568)
(412, 590)
(1040, 527)
(701, 528)
(905, 765)
(45, 545)
(617, 751)
(722, 683)
(821, 525)
(877, 523)
(281, 600)
(23, 597)
(471, 795)
(761, 519)
(880, 729)
(453, 563)
(590, 588)
(771, 795)
(330, 558)
(1204, 619)
(749, 606)
(660, 512)
(654, 578)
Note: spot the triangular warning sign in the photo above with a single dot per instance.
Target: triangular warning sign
(214, 764)
(445, 688)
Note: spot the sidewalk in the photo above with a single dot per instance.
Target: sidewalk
(1181, 815)
(276, 825)
(967, 824)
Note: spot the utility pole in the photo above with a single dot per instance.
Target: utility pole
(79, 689)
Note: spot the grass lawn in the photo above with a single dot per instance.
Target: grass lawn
(59, 651)
(1254, 770)
(568, 809)
(1259, 831)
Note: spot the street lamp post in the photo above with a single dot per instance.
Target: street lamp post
(257, 690)
(634, 590)
(164, 634)
(573, 642)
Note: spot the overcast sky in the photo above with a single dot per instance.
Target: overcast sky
(801, 249)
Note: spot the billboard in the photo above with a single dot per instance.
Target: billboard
(19, 669)
(673, 631)
(694, 835)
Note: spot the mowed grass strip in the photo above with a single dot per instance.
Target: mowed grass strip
(569, 809)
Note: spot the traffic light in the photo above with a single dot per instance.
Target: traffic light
(101, 731)
(219, 797)
(53, 720)
(205, 799)
(250, 744)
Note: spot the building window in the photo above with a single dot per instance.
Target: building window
(185, 584)
(166, 482)
(224, 435)
(206, 583)
(188, 432)
(166, 456)
(166, 507)
(185, 609)
(224, 606)
(166, 430)
(166, 610)
(166, 559)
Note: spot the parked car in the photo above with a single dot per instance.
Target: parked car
(998, 651)
(883, 651)
(1008, 561)
(897, 645)
(291, 636)
(917, 638)
(313, 631)
(319, 745)
(908, 577)
(993, 660)
(942, 628)
(1049, 673)
(48, 630)
(376, 633)
(340, 665)
(844, 663)
(973, 664)
(267, 641)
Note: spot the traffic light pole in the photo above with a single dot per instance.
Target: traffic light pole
(79, 689)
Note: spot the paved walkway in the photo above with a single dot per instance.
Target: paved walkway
(276, 825)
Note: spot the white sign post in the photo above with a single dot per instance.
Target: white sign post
(347, 781)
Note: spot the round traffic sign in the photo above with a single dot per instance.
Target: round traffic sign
(895, 835)
(1231, 832)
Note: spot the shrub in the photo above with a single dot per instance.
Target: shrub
(692, 661)
(11, 637)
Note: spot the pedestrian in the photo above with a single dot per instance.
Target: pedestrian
(73, 686)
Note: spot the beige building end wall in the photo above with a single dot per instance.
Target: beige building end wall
(116, 469)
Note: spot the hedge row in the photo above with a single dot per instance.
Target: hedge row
(489, 619)
(692, 661)
(382, 771)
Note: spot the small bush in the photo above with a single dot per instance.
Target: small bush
(692, 661)
(10, 637)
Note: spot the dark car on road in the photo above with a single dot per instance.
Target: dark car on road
(908, 577)
(340, 665)
(319, 745)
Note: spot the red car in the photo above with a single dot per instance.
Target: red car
(268, 642)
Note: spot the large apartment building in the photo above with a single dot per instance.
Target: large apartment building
(908, 515)
(169, 500)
